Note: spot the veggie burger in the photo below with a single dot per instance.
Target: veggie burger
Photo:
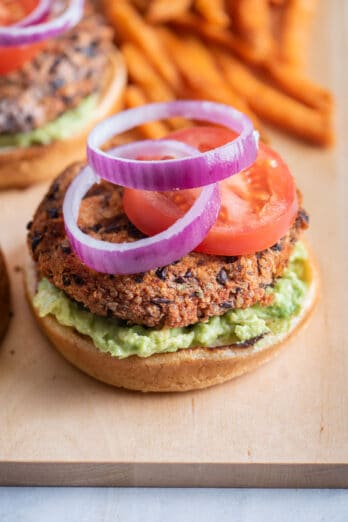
(59, 74)
(173, 264)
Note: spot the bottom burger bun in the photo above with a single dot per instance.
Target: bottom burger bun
(21, 167)
(4, 297)
(184, 370)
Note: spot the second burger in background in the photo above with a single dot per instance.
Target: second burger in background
(52, 89)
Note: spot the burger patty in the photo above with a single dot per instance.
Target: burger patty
(192, 289)
(69, 68)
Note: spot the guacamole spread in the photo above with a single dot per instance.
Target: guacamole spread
(235, 326)
(68, 124)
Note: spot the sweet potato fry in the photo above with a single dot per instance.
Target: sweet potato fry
(165, 10)
(123, 138)
(212, 33)
(252, 19)
(213, 12)
(131, 27)
(223, 50)
(274, 106)
(141, 5)
(134, 97)
(143, 74)
(292, 82)
(295, 31)
(197, 66)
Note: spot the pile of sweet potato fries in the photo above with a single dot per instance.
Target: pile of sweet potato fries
(246, 53)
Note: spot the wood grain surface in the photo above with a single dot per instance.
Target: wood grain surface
(284, 425)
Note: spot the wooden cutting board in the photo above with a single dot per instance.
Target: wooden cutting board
(284, 425)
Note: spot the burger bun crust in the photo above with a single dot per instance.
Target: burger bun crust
(184, 370)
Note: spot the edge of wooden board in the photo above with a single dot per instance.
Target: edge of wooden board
(174, 475)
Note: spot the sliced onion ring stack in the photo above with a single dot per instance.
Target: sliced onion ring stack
(29, 31)
(145, 254)
(188, 169)
(194, 171)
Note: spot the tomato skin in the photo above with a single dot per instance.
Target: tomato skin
(258, 207)
(12, 58)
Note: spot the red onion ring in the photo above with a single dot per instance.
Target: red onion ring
(16, 35)
(194, 171)
(37, 15)
(144, 254)
(151, 252)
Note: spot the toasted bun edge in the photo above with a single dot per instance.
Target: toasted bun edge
(184, 370)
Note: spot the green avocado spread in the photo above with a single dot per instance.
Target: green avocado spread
(235, 326)
(65, 126)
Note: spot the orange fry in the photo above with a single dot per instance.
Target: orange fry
(134, 97)
(143, 74)
(274, 106)
(219, 35)
(295, 31)
(296, 85)
(131, 27)
(277, 2)
(244, 53)
(125, 137)
(252, 19)
(141, 5)
(166, 10)
(213, 12)
(197, 66)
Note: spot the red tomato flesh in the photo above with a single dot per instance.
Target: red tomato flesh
(12, 58)
(258, 205)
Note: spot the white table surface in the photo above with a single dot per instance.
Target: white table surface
(169, 505)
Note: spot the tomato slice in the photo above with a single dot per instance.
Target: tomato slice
(12, 58)
(258, 205)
